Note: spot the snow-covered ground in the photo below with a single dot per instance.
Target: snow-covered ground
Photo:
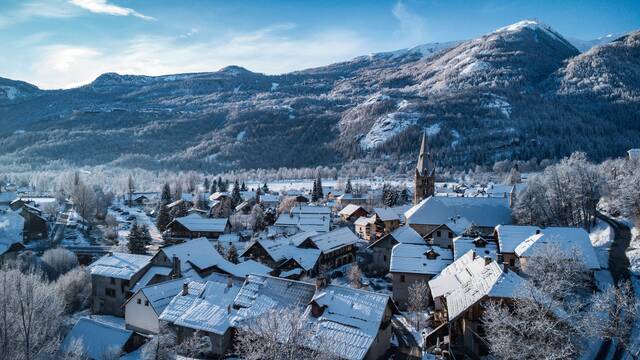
(633, 252)
(601, 239)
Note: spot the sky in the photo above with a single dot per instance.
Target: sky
(66, 43)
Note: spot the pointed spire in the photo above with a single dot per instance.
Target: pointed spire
(425, 161)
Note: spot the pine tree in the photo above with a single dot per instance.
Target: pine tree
(206, 183)
(265, 189)
(243, 187)
(258, 193)
(163, 218)
(180, 210)
(214, 186)
(404, 195)
(348, 189)
(236, 198)
(320, 193)
(220, 248)
(314, 192)
(232, 254)
(165, 198)
(136, 240)
(223, 185)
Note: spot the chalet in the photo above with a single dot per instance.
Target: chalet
(518, 243)
(286, 255)
(484, 212)
(245, 206)
(334, 314)
(574, 243)
(143, 309)
(112, 277)
(352, 212)
(442, 235)
(205, 307)
(219, 195)
(459, 293)
(269, 200)
(365, 227)
(100, 340)
(305, 218)
(381, 249)
(411, 263)
(195, 226)
(11, 227)
(355, 199)
(387, 220)
(141, 199)
(337, 247)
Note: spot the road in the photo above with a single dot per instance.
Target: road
(619, 266)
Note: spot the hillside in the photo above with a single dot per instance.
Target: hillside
(521, 92)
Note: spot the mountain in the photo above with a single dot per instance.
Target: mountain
(520, 92)
(585, 45)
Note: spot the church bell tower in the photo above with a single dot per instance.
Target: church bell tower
(425, 176)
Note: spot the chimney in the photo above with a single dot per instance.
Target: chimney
(487, 260)
(229, 282)
(505, 267)
(473, 254)
(321, 282)
(185, 289)
(177, 271)
(537, 231)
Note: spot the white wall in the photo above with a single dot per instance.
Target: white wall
(141, 317)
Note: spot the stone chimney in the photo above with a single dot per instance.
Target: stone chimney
(177, 271)
(537, 231)
(185, 289)
(505, 267)
(487, 260)
(473, 254)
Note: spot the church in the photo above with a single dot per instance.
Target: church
(425, 175)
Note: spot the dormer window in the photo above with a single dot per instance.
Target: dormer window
(431, 255)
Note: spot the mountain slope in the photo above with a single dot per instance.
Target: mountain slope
(521, 92)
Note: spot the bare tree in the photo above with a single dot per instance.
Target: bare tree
(418, 300)
(286, 204)
(74, 288)
(84, 201)
(162, 346)
(60, 260)
(131, 188)
(198, 345)
(355, 276)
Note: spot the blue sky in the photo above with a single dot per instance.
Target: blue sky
(65, 43)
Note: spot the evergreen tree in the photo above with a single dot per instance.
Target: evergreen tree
(179, 210)
(404, 195)
(200, 202)
(320, 193)
(314, 192)
(136, 240)
(214, 186)
(220, 248)
(348, 189)
(243, 187)
(232, 254)
(236, 198)
(163, 218)
(265, 189)
(258, 193)
(389, 195)
(223, 185)
(206, 183)
(165, 198)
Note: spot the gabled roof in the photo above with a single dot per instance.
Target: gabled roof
(567, 239)
(283, 249)
(311, 210)
(119, 265)
(350, 321)
(305, 222)
(335, 239)
(261, 293)
(161, 294)
(510, 236)
(149, 275)
(386, 214)
(350, 209)
(98, 339)
(484, 211)
(363, 221)
(471, 278)
(206, 307)
(197, 223)
(413, 258)
(404, 234)
(217, 195)
(482, 247)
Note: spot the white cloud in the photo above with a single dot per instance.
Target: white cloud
(270, 50)
(412, 25)
(103, 7)
(52, 9)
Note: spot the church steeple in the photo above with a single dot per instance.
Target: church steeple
(425, 176)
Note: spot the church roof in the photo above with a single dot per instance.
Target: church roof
(425, 164)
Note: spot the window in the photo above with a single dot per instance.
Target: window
(113, 281)
(146, 303)
(402, 278)
(385, 258)
(438, 233)
(110, 292)
(450, 235)
(512, 262)
(139, 301)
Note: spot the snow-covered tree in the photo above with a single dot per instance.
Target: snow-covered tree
(355, 276)
(136, 240)
(60, 260)
(418, 300)
(75, 289)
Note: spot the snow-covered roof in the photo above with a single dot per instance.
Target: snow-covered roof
(482, 211)
(415, 259)
(247, 267)
(510, 236)
(197, 223)
(567, 239)
(407, 235)
(305, 222)
(311, 209)
(206, 307)
(161, 294)
(386, 214)
(352, 197)
(471, 278)
(269, 198)
(350, 320)
(482, 247)
(282, 249)
(261, 293)
(218, 195)
(364, 221)
(350, 209)
(100, 340)
(119, 265)
(148, 276)
(335, 239)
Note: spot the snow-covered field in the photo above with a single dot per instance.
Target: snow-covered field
(307, 184)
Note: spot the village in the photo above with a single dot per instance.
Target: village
(417, 268)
